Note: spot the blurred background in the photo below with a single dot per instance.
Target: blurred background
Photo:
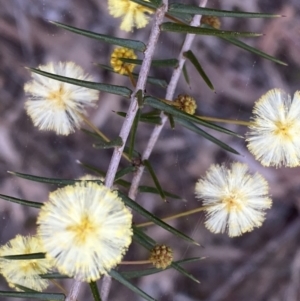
(261, 265)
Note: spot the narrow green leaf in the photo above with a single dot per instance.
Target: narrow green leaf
(140, 98)
(124, 171)
(40, 296)
(132, 44)
(21, 202)
(190, 55)
(152, 113)
(120, 182)
(92, 134)
(117, 142)
(122, 114)
(24, 288)
(196, 10)
(148, 189)
(158, 104)
(185, 74)
(133, 133)
(155, 179)
(151, 271)
(150, 4)
(143, 239)
(95, 135)
(92, 168)
(151, 80)
(32, 256)
(175, 27)
(185, 18)
(154, 63)
(151, 120)
(171, 121)
(95, 291)
(123, 183)
(182, 271)
(50, 180)
(135, 206)
(151, 117)
(189, 125)
(54, 276)
(112, 89)
(256, 51)
(246, 47)
(43, 179)
(145, 118)
(117, 276)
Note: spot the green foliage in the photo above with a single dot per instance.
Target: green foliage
(132, 44)
(182, 28)
(113, 89)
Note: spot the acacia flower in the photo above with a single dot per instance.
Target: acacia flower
(58, 106)
(186, 103)
(118, 65)
(24, 272)
(133, 14)
(85, 229)
(274, 135)
(235, 199)
(161, 256)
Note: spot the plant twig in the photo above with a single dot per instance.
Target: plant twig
(136, 262)
(141, 83)
(129, 119)
(237, 122)
(74, 291)
(169, 218)
(169, 96)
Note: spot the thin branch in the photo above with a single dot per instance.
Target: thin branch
(169, 96)
(74, 291)
(125, 130)
(105, 287)
(129, 119)
(175, 216)
(136, 262)
(221, 120)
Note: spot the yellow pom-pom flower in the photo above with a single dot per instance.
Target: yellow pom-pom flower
(186, 103)
(274, 134)
(235, 199)
(133, 14)
(85, 229)
(24, 272)
(161, 256)
(58, 106)
(118, 65)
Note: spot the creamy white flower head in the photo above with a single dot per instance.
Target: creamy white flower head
(58, 106)
(235, 199)
(133, 13)
(24, 272)
(274, 135)
(85, 229)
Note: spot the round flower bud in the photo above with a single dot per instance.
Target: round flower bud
(118, 65)
(186, 103)
(213, 21)
(161, 256)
